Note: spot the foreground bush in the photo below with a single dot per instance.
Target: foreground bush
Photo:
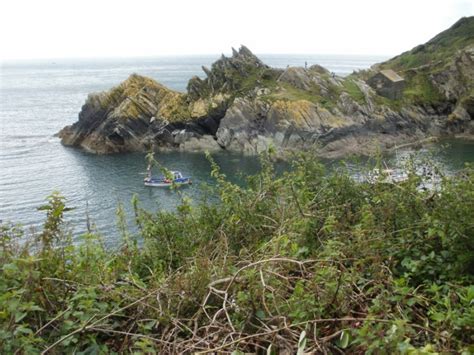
(307, 261)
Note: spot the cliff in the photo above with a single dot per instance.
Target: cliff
(244, 105)
(441, 71)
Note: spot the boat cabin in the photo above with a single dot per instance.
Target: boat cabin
(177, 175)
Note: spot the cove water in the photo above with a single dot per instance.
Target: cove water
(38, 98)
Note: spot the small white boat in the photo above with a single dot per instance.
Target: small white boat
(387, 176)
(178, 180)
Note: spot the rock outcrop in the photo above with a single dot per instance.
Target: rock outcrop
(244, 105)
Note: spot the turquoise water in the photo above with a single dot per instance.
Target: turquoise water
(37, 99)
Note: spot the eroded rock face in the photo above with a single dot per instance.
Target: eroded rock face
(123, 118)
(239, 129)
(456, 83)
(457, 79)
(306, 79)
(139, 114)
(200, 144)
(251, 126)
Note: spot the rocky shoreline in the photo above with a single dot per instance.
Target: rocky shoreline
(246, 106)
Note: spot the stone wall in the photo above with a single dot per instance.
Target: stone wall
(387, 88)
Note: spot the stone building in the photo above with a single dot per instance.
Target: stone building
(388, 83)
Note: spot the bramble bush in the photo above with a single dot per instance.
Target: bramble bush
(303, 261)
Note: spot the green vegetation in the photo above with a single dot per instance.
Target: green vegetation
(420, 90)
(308, 261)
(254, 77)
(393, 104)
(267, 78)
(354, 91)
(288, 92)
(439, 49)
(434, 56)
(291, 93)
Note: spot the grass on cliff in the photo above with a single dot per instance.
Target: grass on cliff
(307, 261)
(354, 91)
(289, 92)
(417, 64)
(253, 78)
(328, 100)
(267, 78)
(420, 90)
(437, 50)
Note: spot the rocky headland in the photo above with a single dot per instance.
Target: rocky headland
(243, 105)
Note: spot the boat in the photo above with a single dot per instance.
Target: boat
(177, 180)
(387, 176)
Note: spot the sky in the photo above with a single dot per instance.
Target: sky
(32, 29)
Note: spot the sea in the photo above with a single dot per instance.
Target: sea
(38, 98)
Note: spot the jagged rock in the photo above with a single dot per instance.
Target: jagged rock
(182, 135)
(196, 88)
(226, 74)
(286, 125)
(349, 106)
(315, 78)
(120, 119)
(468, 104)
(316, 68)
(210, 106)
(457, 78)
(237, 126)
(298, 77)
(202, 143)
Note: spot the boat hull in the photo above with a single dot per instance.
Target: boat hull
(167, 184)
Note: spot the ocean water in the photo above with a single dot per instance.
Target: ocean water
(38, 98)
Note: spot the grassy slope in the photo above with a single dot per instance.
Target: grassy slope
(417, 64)
(438, 50)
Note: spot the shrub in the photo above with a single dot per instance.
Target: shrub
(308, 260)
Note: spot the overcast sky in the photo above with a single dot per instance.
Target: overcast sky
(109, 28)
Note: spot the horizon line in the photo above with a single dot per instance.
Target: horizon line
(26, 59)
